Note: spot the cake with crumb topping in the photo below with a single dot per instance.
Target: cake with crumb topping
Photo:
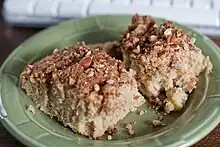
(166, 61)
(85, 89)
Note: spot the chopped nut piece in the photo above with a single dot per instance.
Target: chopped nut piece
(168, 32)
(88, 53)
(96, 87)
(76, 55)
(141, 112)
(143, 59)
(91, 74)
(101, 66)
(128, 36)
(153, 38)
(137, 50)
(55, 50)
(72, 81)
(111, 82)
(30, 66)
(135, 40)
(85, 62)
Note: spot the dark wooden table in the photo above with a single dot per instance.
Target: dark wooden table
(10, 37)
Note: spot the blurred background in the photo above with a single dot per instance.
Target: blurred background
(21, 19)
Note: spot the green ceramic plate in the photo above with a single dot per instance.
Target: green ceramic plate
(183, 128)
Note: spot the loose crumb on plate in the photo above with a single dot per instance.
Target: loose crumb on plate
(31, 109)
(109, 137)
(156, 123)
(111, 131)
(129, 129)
(142, 112)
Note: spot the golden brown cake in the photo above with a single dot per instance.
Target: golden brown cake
(165, 59)
(85, 89)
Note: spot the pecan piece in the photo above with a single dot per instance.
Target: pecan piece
(86, 62)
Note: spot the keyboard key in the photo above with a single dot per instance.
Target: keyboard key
(101, 1)
(141, 2)
(187, 16)
(74, 9)
(21, 7)
(163, 3)
(216, 4)
(46, 8)
(103, 9)
(123, 2)
(182, 3)
(202, 4)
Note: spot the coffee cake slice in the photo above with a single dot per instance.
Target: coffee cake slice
(166, 61)
(85, 89)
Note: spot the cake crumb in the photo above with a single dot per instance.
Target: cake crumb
(156, 122)
(109, 137)
(55, 50)
(141, 112)
(129, 129)
(111, 131)
(160, 117)
(31, 109)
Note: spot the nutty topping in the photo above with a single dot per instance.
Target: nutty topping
(168, 32)
(91, 73)
(161, 56)
(110, 82)
(79, 67)
(153, 38)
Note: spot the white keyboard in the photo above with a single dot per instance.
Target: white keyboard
(203, 15)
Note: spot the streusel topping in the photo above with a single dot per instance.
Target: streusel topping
(164, 58)
(82, 68)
